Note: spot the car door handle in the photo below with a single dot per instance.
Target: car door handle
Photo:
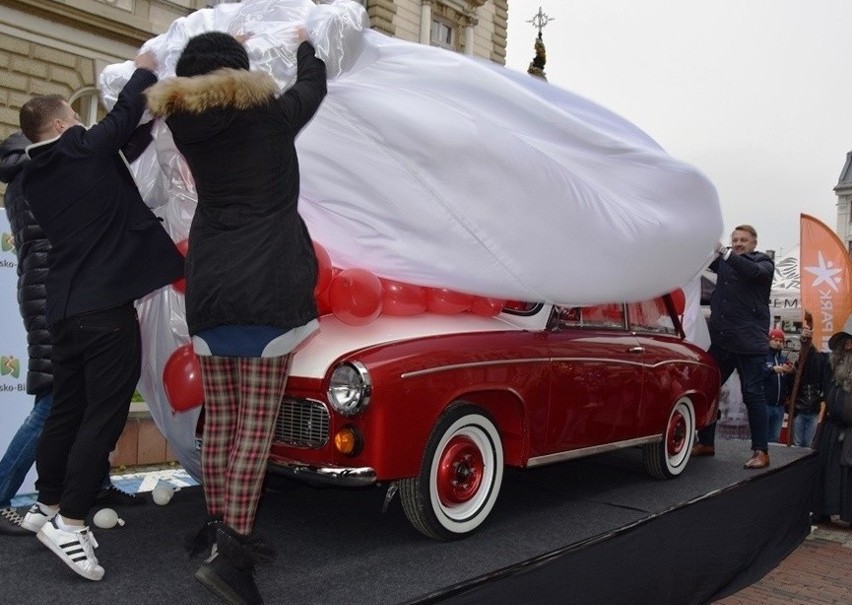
(636, 350)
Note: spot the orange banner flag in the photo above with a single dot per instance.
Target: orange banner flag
(826, 278)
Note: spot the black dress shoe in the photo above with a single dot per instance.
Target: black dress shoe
(117, 497)
(10, 523)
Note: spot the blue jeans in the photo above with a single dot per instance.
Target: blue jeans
(804, 429)
(21, 453)
(750, 369)
(776, 420)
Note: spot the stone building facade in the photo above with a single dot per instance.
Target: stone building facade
(844, 203)
(60, 46)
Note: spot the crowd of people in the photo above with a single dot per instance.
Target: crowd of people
(88, 247)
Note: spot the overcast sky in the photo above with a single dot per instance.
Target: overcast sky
(757, 94)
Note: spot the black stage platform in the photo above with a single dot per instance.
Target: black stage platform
(591, 531)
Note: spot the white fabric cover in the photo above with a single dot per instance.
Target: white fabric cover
(438, 169)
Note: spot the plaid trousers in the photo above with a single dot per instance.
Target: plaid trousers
(242, 396)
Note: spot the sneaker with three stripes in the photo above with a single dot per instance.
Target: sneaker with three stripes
(75, 546)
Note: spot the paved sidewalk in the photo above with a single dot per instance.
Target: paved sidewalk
(818, 572)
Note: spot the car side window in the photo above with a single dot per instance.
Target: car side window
(650, 316)
(609, 316)
(520, 307)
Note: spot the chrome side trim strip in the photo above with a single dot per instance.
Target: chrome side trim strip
(589, 451)
(497, 362)
(328, 475)
(683, 361)
(473, 364)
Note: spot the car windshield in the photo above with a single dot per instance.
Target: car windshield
(645, 316)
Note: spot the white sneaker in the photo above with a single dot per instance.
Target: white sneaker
(75, 548)
(35, 518)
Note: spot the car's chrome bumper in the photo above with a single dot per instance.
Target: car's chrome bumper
(329, 475)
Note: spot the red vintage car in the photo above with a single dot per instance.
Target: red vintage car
(437, 405)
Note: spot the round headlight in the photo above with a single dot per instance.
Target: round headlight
(349, 388)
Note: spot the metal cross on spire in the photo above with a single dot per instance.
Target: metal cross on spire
(540, 20)
(536, 68)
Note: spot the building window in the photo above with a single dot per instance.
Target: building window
(442, 35)
(87, 103)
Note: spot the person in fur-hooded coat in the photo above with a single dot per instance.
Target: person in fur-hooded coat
(250, 273)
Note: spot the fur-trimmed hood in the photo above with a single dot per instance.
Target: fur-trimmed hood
(234, 89)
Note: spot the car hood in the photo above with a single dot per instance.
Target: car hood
(335, 338)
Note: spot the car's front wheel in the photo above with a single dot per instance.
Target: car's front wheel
(666, 459)
(459, 477)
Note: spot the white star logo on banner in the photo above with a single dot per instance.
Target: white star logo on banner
(825, 274)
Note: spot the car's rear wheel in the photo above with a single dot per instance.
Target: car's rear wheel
(459, 477)
(666, 459)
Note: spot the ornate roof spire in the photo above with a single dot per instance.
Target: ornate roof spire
(536, 68)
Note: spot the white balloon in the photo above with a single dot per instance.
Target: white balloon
(107, 518)
(163, 494)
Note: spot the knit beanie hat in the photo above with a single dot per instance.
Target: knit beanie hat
(210, 51)
(776, 333)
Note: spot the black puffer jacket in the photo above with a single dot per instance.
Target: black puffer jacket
(31, 245)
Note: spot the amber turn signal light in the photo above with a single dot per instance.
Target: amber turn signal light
(348, 441)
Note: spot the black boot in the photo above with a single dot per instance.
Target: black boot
(203, 538)
(229, 574)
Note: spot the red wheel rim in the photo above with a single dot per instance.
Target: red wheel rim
(676, 434)
(460, 471)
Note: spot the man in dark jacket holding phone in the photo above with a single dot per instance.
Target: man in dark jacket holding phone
(107, 249)
(739, 323)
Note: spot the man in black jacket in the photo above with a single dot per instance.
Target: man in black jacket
(739, 323)
(32, 247)
(107, 249)
(814, 375)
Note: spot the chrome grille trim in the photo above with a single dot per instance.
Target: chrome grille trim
(302, 423)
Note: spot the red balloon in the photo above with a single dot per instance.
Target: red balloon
(679, 300)
(447, 302)
(355, 296)
(323, 303)
(402, 299)
(182, 379)
(324, 272)
(487, 307)
(183, 248)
